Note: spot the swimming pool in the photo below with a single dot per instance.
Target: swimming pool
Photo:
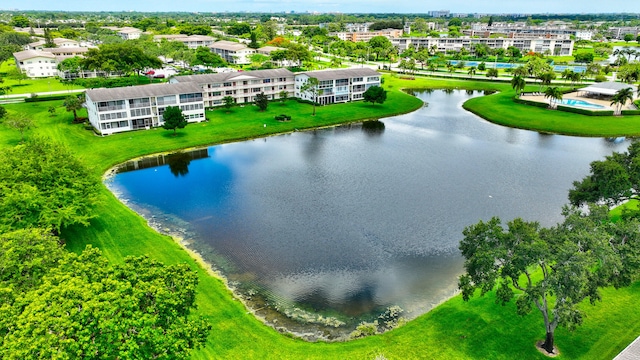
(580, 103)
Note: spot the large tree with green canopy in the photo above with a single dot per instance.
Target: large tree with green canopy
(42, 184)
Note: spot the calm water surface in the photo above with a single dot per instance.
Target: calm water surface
(356, 218)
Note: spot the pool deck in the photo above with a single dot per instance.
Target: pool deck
(574, 95)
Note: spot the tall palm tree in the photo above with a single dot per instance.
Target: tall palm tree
(566, 74)
(621, 98)
(546, 78)
(518, 83)
(472, 71)
(554, 94)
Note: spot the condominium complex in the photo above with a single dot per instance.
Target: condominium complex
(36, 63)
(242, 86)
(336, 86)
(141, 107)
(518, 31)
(560, 47)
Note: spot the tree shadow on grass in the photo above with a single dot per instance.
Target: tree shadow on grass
(171, 135)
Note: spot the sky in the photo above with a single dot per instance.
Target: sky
(344, 6)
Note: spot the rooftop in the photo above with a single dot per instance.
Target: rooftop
(142, 91)
(341, 73)
(244, 75)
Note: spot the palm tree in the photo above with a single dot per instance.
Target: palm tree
(566, 74)
(554, 94)
(518, 83)
(576, 77)
(546, 78)
(472, 71)
(621, 98)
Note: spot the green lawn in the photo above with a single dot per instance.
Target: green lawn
(479, 329)
(33, 85)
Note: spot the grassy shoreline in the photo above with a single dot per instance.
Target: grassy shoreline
(478, 329)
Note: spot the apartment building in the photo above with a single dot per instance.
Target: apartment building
(36, 63)
(191, 41)
(129, 33)
(141, 107)
(337, 86)
(563, 47)
(59, 42)
(242, 86)
(232, 52)
(519, 31)
(366, 36)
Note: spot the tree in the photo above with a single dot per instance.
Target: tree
(52, 110)
(283, 96)
(228, 102)
(44, 185)
(546, 78)
(455, 22)
(583, 57)
(492, 73)
(379, 44)
(20, 21)
(204, 56)
(621, 97)
(310, 88)
(73, 103)
(611, 181)
(48, 39)
(472, 71)
(17, 75)
(554, 94)
(518, 83)
(262, 101)
(80, 305)
(173, 119)
(552, 269)
(482, 66)
(3, 112)
(21, 123)
(628, 37)
(375, 94)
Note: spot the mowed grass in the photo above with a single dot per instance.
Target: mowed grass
(30, 86)
(479, 329)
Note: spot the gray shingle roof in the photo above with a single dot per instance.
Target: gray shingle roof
(30, 54)
(243, 75)
(135, 92)
(228, 45)
(341, 73)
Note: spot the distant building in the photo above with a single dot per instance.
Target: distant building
(439, 13)
(366, 36)
(191, 41)
(337, 86)
(560, 47)
(59, 42)
(522, 30)
(619, 32)
(129, 33)
(232, 52)
(141, 107)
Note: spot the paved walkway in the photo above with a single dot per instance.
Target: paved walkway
(631, 352)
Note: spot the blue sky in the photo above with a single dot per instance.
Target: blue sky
(346, 6)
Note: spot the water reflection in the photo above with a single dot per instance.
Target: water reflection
(179, 163)
(373, 128)
(352, 219)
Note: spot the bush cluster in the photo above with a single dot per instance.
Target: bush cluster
(283, 117)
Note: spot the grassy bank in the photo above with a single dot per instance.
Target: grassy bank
(478, 329)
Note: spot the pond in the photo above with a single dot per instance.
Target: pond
(350, 220)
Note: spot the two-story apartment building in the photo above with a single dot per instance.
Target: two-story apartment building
(58, 42)
(337, 86)
(191, 41)
(242, 86)
(129, 33)
(141, 107)
(368, 35)
(36, 63)
(232, 52)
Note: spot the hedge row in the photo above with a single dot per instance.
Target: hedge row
(529, 102)
(100, 82)
(585, 111)
(46, 98)
(630, 112)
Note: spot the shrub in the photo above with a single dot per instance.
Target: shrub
(45, 98)
(600, 78)
(531, 103)
(283, 117)
(630, 112)
(365, 329)
(585, 111)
